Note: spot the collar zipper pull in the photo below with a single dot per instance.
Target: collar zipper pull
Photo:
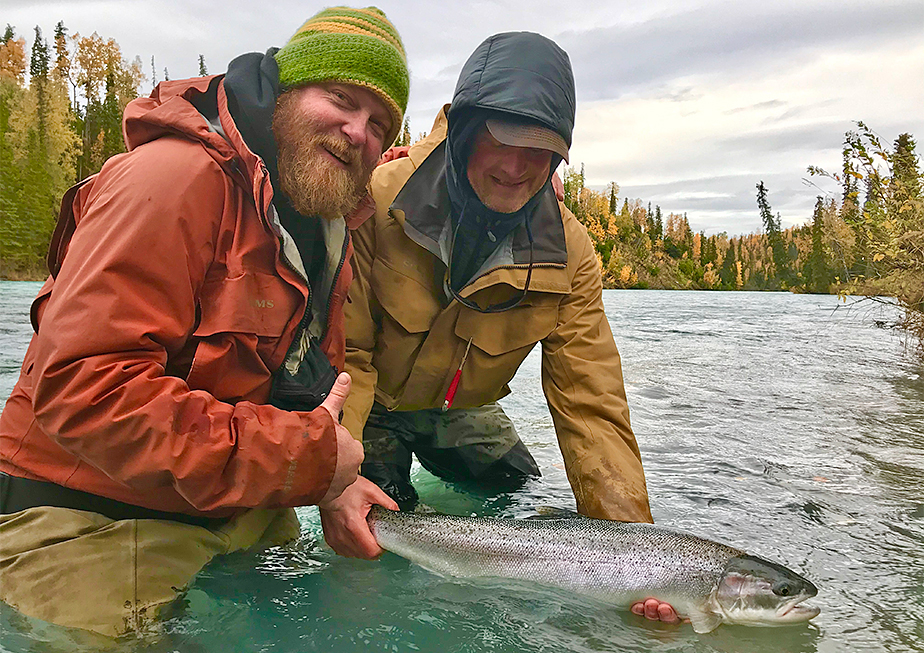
(451, 393)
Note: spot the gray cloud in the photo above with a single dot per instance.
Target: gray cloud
(812, 137)
(769, 104)
(728, 38)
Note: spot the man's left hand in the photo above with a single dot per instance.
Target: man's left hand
(344, 520)
(654, 610)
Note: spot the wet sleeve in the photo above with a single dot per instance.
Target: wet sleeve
(124, 300)
(583, 384)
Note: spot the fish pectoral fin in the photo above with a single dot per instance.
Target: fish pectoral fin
(704, 622)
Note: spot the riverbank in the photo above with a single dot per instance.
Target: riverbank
(36, 272)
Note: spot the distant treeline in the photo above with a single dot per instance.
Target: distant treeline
(867, 239)
(60, 119)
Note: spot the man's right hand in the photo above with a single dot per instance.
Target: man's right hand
(349, 450)
(344, 520)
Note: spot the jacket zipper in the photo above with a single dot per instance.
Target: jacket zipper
(303, 324)
(306, 316)
(517, 266)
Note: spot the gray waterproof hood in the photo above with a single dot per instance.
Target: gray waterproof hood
(519, 73)
(521, 76)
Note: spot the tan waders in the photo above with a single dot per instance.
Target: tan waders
(83, 570)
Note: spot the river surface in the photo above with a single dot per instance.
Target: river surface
(769, 421)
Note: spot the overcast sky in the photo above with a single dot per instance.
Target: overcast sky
(683, 104)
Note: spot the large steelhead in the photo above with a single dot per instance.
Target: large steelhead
(616, 562)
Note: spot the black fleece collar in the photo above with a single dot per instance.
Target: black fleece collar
(252, 87)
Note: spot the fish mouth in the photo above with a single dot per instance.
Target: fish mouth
(793, 612)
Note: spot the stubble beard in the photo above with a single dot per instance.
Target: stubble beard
(315, 185)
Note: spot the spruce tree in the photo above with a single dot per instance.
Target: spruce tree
(11, 94)
(659, 222)
(38, 74)
(111, 118)
(905, 173)
(403, 139)
(819, 277)
(774, 236)
(850, 211)
(62, 56)
(729, 270)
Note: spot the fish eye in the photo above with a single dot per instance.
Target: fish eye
(784, 589)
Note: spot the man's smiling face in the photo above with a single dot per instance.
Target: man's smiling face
(329, 137)
(505, 177)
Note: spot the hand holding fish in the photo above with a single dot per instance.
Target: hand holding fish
(344, 520)
(345, 506)
(654, 610)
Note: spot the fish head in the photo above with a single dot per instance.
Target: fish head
(756, 592)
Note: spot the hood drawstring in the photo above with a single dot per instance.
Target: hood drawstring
(493, 308)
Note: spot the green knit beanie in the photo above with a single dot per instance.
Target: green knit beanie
(357, 46)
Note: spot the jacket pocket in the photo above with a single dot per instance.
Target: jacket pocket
(500, 333)
(240, 336)
(409, 301)
(253, 303)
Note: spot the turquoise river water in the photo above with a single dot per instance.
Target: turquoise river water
(768, 421)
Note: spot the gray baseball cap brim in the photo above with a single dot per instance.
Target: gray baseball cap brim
(517, 134)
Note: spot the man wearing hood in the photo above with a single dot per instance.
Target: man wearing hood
(469, 262)
(181, 392)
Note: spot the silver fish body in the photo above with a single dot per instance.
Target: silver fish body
(616, 562)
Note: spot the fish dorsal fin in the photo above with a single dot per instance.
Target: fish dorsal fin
(552, 512)
(703, 621)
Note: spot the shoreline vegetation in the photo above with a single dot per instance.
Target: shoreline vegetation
(60, 120)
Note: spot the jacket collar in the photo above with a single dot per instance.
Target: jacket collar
(198, 109)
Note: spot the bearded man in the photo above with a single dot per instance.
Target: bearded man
(181, 392)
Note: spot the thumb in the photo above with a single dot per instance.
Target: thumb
(338, 394)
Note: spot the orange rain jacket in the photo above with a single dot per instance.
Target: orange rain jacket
(148, 377)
